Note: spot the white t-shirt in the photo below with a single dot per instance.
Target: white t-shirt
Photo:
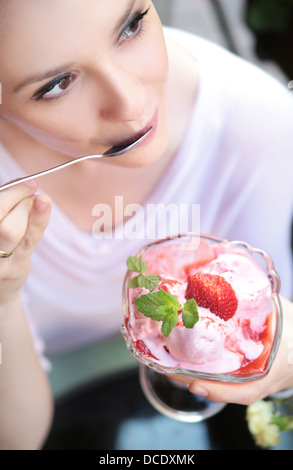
(235, 162)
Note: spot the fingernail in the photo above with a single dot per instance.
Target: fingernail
(31, 183)
(197, 390)
(41, 204)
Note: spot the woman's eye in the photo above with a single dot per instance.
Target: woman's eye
(54, 89)
(134, 26)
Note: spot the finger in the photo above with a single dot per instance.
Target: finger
(243, 394)
(10, 197)
(278, 378)
(37, 223)
(14, 226)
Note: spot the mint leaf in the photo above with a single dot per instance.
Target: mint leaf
(133, 283)
(148, 305)
(169, 323)
(160, 305)
(165, 307)
(135, 264)
(148, 281)
(190, 314)
(166, 310)
(168, 299)
(157, 305)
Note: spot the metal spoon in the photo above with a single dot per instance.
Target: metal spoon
(115, 151)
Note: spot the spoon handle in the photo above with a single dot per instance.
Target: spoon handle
(16, 181)
(112, 152)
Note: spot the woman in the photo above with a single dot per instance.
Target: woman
(78, 77)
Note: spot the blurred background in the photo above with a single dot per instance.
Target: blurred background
(260, 31)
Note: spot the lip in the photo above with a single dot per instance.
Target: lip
(151, 125)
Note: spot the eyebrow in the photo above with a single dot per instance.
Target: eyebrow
(59, 70)
(42, 76)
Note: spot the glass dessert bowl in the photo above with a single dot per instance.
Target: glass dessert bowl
(230, 333)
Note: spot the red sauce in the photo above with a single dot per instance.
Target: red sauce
(143, 349)
(259, 364)
(166, 284)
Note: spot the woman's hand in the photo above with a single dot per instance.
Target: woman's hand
(23, 219)
(279, 378)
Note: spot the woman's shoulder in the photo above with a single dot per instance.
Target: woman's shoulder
(228, 71)
(252, 106)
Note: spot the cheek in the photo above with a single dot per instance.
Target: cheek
(67, 138)
(148, 58)
(156, 59)
(50, 126)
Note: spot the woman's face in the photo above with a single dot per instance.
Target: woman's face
(82, 75)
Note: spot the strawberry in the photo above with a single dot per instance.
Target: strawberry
(213, 292)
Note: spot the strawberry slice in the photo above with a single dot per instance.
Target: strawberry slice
(213, 292)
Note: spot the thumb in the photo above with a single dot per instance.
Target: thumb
(37, 223)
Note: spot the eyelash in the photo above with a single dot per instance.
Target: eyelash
(39, 95)
(134, 22)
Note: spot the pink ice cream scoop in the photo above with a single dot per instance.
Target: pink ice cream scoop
(233, 293)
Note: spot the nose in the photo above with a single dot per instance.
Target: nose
(123, 94)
